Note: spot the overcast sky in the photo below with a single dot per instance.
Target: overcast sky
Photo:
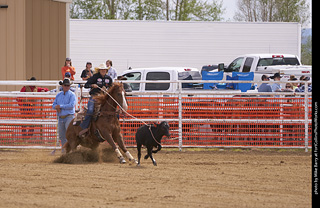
(231, 6)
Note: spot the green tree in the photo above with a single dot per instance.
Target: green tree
(306, 52)
(184, 10)
(93, 9)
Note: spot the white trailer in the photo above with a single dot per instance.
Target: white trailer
(172, 43)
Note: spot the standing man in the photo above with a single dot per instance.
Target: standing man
(64, 104)
(112, 72)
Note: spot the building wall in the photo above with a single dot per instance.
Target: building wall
(12, 42)
(32, 40)
(174, 43)
(45, 39)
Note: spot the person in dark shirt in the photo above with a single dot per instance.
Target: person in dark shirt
(97, 81)
(87, 73)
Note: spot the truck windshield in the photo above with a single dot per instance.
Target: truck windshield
(134, 76)
(189, 75)
(278, 61)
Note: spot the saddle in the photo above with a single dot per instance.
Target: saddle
(79, 117)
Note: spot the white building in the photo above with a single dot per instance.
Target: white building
(171, 43)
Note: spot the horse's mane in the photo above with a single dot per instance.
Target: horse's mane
(101, 97)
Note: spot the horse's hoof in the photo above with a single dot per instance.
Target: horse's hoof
(133, 161)
(122, 160)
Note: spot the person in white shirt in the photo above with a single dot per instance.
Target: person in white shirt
(112, 72)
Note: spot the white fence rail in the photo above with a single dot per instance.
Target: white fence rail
(202, 118)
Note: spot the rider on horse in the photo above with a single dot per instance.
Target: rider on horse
(96, 82)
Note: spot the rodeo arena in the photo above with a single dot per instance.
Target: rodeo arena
(170, 131)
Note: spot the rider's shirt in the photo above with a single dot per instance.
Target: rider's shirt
(99, 80)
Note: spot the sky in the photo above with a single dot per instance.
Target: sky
(231, 6)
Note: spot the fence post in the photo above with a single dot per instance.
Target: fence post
(180, 115)
(306, 118)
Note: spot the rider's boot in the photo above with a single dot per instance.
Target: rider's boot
(87, 119)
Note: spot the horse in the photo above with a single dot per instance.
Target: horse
(106, 127)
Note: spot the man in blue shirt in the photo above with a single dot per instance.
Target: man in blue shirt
(276, 87)
(64, 104)
(265, 87)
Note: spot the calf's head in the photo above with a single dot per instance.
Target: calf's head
(163, 129)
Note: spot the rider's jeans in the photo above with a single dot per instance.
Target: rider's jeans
(87, 119)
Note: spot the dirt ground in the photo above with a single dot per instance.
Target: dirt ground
(191, 178)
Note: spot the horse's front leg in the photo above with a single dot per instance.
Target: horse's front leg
(107, 137)
(119, 139)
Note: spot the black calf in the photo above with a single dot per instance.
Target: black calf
(145, 138)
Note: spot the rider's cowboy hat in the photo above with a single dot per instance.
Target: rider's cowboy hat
(101, 66)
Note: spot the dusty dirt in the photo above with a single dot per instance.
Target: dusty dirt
(191, 178)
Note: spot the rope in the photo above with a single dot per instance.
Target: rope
(123, 110)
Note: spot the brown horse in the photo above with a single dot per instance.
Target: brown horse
(106, 127)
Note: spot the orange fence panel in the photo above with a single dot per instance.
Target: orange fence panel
(210, 120)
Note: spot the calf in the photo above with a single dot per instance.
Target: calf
(145, 138)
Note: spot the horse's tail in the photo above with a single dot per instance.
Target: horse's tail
(67, 147)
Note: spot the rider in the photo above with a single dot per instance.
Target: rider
(95, 82)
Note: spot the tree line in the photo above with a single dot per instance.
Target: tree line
(186, 10)
(180, 10)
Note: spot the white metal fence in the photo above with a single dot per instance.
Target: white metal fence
(198, 118)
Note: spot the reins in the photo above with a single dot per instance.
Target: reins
(123, 110)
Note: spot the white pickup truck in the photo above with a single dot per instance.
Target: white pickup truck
(161, 74)
(268, 64)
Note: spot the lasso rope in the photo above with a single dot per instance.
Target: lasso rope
(123, 110)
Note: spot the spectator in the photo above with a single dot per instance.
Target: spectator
(112, 72)
(276, 87)
(265, 87)
(67, 75)
(126, 86)
(294, 84)
(301, 88)
(27, 106)
(68, 68)
(87, 72)
(33, 88)
(289, 87)
(64, 104)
